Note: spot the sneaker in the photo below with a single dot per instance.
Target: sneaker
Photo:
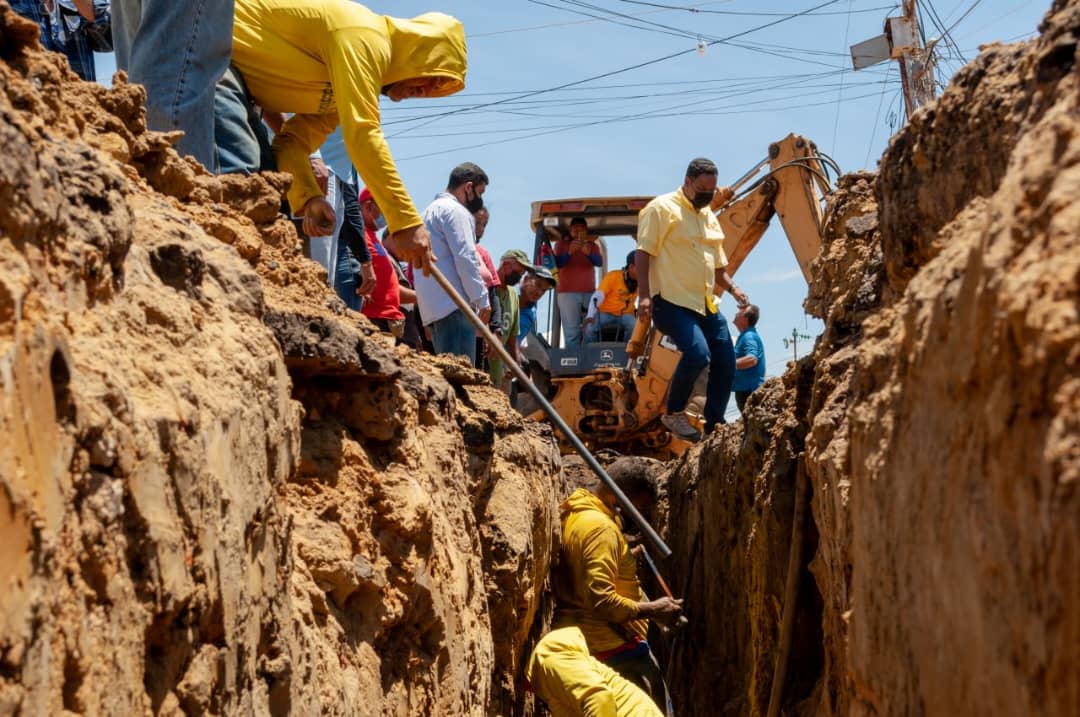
(680, 426)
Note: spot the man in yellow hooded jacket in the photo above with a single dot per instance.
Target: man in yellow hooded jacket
(596, 585)
(573, 683)
(326, 62)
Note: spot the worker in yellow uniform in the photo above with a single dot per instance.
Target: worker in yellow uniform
(596, 584)
(573, 683)
(326, 62)
(613, 303)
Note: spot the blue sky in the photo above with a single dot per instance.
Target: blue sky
(727, 104)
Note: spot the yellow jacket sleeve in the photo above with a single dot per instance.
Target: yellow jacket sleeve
(600, 550)
(299, 137)
(356, 80)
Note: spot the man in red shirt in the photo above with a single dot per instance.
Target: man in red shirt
(383, 306)
(577, 259)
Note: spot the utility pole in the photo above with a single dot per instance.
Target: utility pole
(793, 342)
(902, 41)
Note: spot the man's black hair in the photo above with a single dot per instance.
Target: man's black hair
(630, 257)
(700, 166)
(752, 314)
(579, 220)
(633, 476)
(466, 172)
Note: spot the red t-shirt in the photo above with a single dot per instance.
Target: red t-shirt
(578, 274)
(487, 269)
(385, 300)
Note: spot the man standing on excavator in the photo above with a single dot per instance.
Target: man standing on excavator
(680, 263)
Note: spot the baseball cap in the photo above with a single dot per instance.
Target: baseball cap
(520, 257)
(542, 273)
(365, 195)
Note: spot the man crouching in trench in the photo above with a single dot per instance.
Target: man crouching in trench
(596, 583)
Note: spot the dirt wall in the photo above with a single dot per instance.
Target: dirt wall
(938, 417)
(220, 491)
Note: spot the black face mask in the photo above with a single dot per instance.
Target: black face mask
(701, 199)
(631, 284)
(513, 278)
(475, 204)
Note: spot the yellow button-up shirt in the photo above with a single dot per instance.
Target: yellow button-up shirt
(686, 246)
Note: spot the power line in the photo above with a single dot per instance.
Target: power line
(877, 118)
(840, 93)
(627, 118)
(747, 13)
(551, 25)
(736, 88)
(636, 66)
(471, 129)
(966, 13)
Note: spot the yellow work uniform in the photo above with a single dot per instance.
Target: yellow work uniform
(686, 246)
(572, 683)
(597, 582)
(618, 299)
(327, 61)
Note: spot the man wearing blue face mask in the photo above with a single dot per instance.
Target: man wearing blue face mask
(680, 264)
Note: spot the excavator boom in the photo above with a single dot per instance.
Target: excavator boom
(793, 189)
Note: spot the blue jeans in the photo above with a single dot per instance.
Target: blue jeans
(572, 308)
(243, 141)
(703, 341)
(345, 277)
(625, 322)
(453, 334)
(177, 49)
(72, 45)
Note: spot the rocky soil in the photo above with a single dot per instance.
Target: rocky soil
(220, 491)
(223, 493)
(939, 421)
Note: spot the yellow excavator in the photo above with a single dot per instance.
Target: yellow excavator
(614, 399)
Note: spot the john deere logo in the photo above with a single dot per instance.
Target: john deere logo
(607, 355)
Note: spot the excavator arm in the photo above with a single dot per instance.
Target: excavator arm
(793, 189)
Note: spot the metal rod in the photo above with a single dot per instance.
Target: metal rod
(791, 590)
(624, 502)
(743, 179)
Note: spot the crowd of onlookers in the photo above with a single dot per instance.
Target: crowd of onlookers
(260, 84)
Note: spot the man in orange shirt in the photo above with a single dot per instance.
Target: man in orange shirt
(613, 303)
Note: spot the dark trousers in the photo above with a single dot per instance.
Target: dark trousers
(644, 671)
(740, 399)
(704, 340)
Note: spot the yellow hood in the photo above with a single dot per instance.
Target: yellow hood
(430, 45)
(583, 501)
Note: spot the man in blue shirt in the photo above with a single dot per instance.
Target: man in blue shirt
(749, 355)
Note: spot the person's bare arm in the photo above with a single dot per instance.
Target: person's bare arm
(408, 296)
(724, 283)
(86, 9)
(745, 362)
(641, 263)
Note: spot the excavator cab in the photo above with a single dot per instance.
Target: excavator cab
(611, 399)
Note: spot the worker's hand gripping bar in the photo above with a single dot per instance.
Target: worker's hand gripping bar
(628, 508)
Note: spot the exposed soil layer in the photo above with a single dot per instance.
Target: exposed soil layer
(220, 491)
(939, 420)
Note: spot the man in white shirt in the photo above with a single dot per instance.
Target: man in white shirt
(449, 221)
